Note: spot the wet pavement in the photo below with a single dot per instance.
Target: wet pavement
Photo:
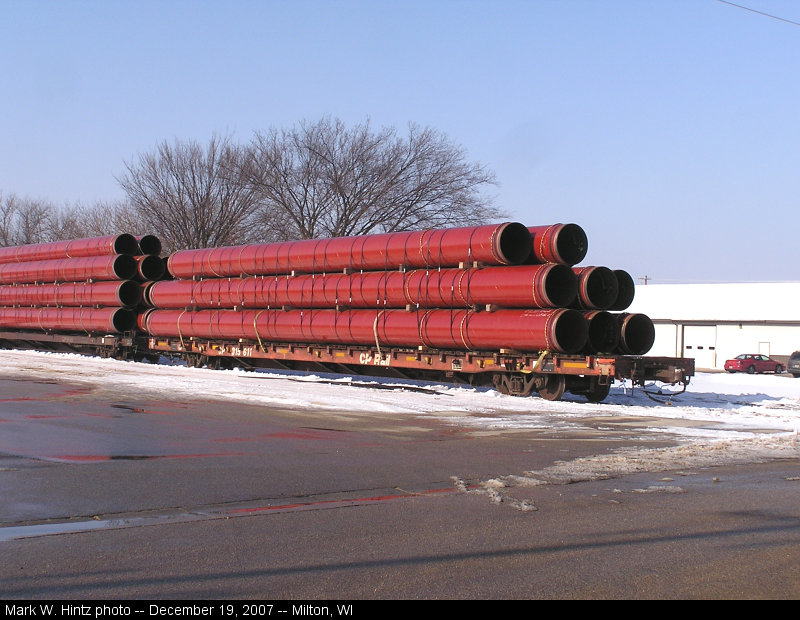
(115, 496)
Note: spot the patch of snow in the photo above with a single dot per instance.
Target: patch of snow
(720, 419)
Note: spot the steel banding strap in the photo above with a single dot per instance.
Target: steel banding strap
(375, 330)
(180, 335)
(463, 331)
(255, 327)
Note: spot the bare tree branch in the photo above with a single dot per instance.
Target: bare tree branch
(25, 220)
(325, 180)
(194, 196)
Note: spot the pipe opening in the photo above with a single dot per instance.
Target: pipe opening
(146, 293)
(150, 267)
(603, 332)
(125, 244)
(571, 244)
(129, 293)
(626, 289)
(560, 286)
(166, 275)
(123, 320)
(141, 320)
(570, 331)
(637, 333)
(150, 244)
(125, 267)
(514, 243)
(599, 287)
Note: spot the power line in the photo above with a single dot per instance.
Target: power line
(739, 6)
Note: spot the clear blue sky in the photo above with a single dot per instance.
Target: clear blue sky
(668, 129)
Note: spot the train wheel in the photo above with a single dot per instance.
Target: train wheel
(553, 388)
(217, 362)
(598, 392)
(514, 384)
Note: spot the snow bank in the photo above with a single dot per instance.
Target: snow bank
(722, 418)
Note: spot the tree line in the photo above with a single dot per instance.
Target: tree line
(320, 179)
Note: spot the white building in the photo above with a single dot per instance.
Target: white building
(715, 322)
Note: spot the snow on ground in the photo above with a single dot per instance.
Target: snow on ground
(720, 419)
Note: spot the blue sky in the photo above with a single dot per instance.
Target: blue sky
(668, 129)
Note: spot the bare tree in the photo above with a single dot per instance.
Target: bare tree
(193, 196)
(325, 180)
(25, 220)
(8, 210)
(96, 220)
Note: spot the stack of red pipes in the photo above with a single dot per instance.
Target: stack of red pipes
(492, 287)
(83, 285)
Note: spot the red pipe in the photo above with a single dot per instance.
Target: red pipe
(597, 288)
(149, 267)
(503, 244)
(524, 330)
(637, 333)
(88, 320)
(141, 320)
(94, 246)
(537, 286)
(149, 245)
(125, 293)
(115, 267)
(626, 290)
(603, 332)
(558, 243)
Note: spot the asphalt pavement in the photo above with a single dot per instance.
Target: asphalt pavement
(105, 497)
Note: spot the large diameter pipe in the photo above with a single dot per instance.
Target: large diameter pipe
(141, 320)
(559, 330)
(502, 244)
(558, 243)
(149, 245)
(115, 267)
(637, 333)
(597, 288)
(75, 248)
(87, 320)
(604, 332)
(125, 293)
(537, 286)
(625, 290)
(149, 267)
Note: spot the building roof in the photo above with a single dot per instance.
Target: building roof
(746, 301)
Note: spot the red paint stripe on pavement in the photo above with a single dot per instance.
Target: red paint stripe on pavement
(340, 502)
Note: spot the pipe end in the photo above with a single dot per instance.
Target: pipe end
(514, 243)
(625, 290)
(570, 331)
(125, 244)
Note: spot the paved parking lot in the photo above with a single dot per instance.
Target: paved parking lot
(129, 498)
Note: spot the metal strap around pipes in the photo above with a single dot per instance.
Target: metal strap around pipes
(241, 265)
(80, 319)
(180, 335)
(255, 326)
(463, 331)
